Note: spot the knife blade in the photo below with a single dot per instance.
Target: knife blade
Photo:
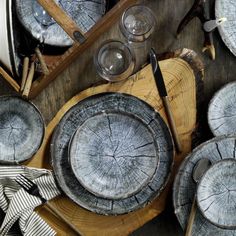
(157, 74)
(163, 94)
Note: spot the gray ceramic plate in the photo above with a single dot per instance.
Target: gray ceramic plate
(42, 27)
(184, 187)
(113, 154)
(216, 194)
(227, 8)
(84, 110)
(21, 129)
(222, 111)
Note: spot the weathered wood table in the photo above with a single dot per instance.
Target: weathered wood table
(81, 74)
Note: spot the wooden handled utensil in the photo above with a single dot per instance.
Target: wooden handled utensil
(29, 81)
(199, 169)
(163, 94)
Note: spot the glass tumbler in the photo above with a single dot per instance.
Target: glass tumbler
(114, 61)
(137, 23)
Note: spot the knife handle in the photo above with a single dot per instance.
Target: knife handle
(172, 124)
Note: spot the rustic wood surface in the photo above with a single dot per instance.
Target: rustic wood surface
(179, 79)
(215, 150)
(21, 129)
(222, 111)
(216, 194)
(81, 74)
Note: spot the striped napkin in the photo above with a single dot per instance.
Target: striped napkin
(19, 205)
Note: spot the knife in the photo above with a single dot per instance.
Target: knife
(163, 94)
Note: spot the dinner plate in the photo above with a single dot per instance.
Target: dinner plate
(8, 55)
(21, 129)
(216, 194)
(75, 117)
(222, 111)
(219, 148)
(113, 154)
(227, 9)
(42, 27)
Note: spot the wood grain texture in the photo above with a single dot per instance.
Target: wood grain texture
(184, 187)
(21, 130)
(113, 155)
(227, 8)
(178, 81)
(82, 13)
(216, 194)
(79, 115)
(222, 111)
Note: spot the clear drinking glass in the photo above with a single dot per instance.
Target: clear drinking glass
(137, 23)
(114, 61)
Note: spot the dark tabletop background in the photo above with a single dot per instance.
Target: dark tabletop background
(81, 74)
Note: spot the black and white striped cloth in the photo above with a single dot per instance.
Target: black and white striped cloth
(19, 205)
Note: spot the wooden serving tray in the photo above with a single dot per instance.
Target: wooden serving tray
(56, 64)
(183, 75)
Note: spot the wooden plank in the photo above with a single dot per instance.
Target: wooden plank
(71, 54)
(181, 85)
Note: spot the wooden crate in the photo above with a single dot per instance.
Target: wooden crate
(57, 64)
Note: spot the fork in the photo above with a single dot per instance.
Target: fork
(32, 188)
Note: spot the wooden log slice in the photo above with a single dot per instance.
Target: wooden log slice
(216, 194)
(75, 117)
(222, 111)
(44, 28)
(113, 155)
(219, 148)
(21, 129)
(227, 9)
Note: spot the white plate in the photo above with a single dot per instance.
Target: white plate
(8, 56)
(227, 9)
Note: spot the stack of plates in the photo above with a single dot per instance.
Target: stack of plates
(213, 191)
(112, 153)
(8, 56)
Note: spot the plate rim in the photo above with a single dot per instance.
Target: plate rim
(215, 96)
(43, 128)
(148, 179)
(225, 39)
(167, 177)
(232, 227)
